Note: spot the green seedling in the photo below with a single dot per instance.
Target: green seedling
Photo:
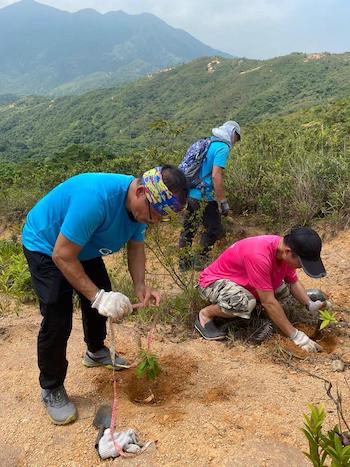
(327, 318)
(332, 446)
(313, 432)
(148, 366)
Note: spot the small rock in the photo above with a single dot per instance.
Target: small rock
(338, 365)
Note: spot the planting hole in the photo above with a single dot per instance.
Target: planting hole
(174, 378)
(327, 341)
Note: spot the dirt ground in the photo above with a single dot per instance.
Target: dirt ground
(215, 404)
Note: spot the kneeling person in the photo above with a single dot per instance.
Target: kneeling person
(256, 269)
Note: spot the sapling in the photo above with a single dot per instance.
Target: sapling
(332, 445)
(327, 318)
(148, 366)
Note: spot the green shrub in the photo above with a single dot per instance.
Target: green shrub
(15, 281)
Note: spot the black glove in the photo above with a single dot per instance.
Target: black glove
(224, 208)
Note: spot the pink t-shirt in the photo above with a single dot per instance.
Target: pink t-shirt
(252, 264)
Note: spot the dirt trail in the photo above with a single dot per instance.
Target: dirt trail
(216, 405)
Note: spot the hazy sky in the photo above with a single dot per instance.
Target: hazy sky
(250, 28)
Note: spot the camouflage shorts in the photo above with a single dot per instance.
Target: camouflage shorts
(238, 301)
(230, 297)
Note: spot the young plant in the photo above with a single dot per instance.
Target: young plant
(148, 366)
(333, 445)
(313, 432)
(327, 318)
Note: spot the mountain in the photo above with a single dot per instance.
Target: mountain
(196, 96)
(44, 50)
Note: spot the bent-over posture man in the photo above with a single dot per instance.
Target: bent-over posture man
(258, 269)
(212, 194)
(65, 236)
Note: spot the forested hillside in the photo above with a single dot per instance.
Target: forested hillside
(44, 50)
(193, 96)
(289, 170)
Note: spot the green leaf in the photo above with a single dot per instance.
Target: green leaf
(148, 366)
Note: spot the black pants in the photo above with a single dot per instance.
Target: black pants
(56, 306)
(209, 216)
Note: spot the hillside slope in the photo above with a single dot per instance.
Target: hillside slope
(197, 96)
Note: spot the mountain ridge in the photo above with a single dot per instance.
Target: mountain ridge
(197, 96)
(44, 50)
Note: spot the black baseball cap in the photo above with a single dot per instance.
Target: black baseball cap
(307, 244)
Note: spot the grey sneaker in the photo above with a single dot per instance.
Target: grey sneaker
(210, 331)
(316, 294)
(103, 358)
(60, 409)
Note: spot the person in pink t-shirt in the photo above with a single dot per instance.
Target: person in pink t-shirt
(258, 269)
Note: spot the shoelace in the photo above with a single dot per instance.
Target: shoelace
(57, 397)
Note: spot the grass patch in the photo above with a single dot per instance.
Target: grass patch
(15, 281)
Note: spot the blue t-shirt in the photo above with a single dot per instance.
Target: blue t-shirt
(217, 155)
(89, 210)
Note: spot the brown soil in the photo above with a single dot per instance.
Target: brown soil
(325, 339)
(174, 378)
(214, 404)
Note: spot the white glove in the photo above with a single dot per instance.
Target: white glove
(314, 306)
(304, 342)
(127, 440)
(114, 305)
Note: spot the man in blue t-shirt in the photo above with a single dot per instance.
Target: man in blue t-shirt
(64, 238)
(208, 204)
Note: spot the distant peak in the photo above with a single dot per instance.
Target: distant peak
(19, 4)
(87, 11)
(30, 7)
(28, 2)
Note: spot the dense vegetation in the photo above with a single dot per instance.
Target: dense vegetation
(47, 51)
(118, 120)
(290, 170)
(287, 170)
